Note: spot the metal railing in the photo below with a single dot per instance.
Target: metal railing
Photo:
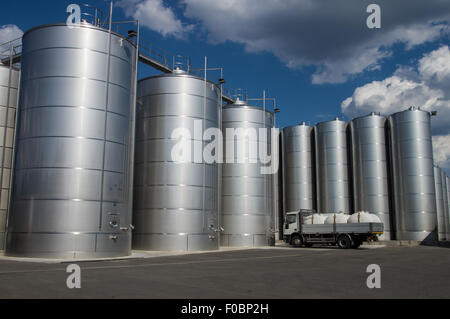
(92, 15)
(11, 51)
(149, 53)
(158, 54)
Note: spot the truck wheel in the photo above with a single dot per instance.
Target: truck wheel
(344, 242)
(296, 241)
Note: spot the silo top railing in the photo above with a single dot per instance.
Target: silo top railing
(92, 15)
(11, 51)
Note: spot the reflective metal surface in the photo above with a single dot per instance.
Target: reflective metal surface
(247, 194)
(9, 83)
(413, 176)
(72, 174)
(298, 169)
(446, 190)
(440, 210)
(175, 203)
(370, 168)
(278, 217)
(332, 170)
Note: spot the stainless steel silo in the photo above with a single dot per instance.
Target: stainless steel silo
(72, 179)
(440, 210)
(247, 193)
(298, 168)
(9, 84)
(332, 167)
(412, 173)
(370, 168)
(278, 195)
(175, 201)
(446, 206)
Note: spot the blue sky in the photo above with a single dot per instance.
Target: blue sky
(297, 97)
(309, 55)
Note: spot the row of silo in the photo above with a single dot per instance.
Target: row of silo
(317, 171)
(73, 177)
(384, 166)
(176, 201)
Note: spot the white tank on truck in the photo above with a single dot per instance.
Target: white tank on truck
(363, 217)
(315, 219)
(337, 218)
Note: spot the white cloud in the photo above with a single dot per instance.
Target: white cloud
(393, 94)
(435, 69)
(425, 86)
(441, 151)
(338, 71)
(331, 35)
(422, 86)
(8, 33)
(156, 16)
(368, 55)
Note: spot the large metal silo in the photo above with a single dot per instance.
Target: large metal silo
(278, 193)
(9, 84)
(440, 209)
(370, 168)
(446, 190)
(175, 200)
(247, 193)
(72, 183)
(413, 177)
(298, 168)
(332, 167)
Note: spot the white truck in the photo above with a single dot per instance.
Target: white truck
(344, 235)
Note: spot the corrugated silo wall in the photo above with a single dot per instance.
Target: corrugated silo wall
(9, 84)
(72, 178)
(413, 175)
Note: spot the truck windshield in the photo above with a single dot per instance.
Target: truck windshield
(291, 219)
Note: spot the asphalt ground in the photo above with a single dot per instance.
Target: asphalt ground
(406, 272)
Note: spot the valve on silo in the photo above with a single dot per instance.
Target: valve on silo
(114, 224)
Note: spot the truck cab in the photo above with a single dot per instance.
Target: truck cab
(343, 235)
(292, 220)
